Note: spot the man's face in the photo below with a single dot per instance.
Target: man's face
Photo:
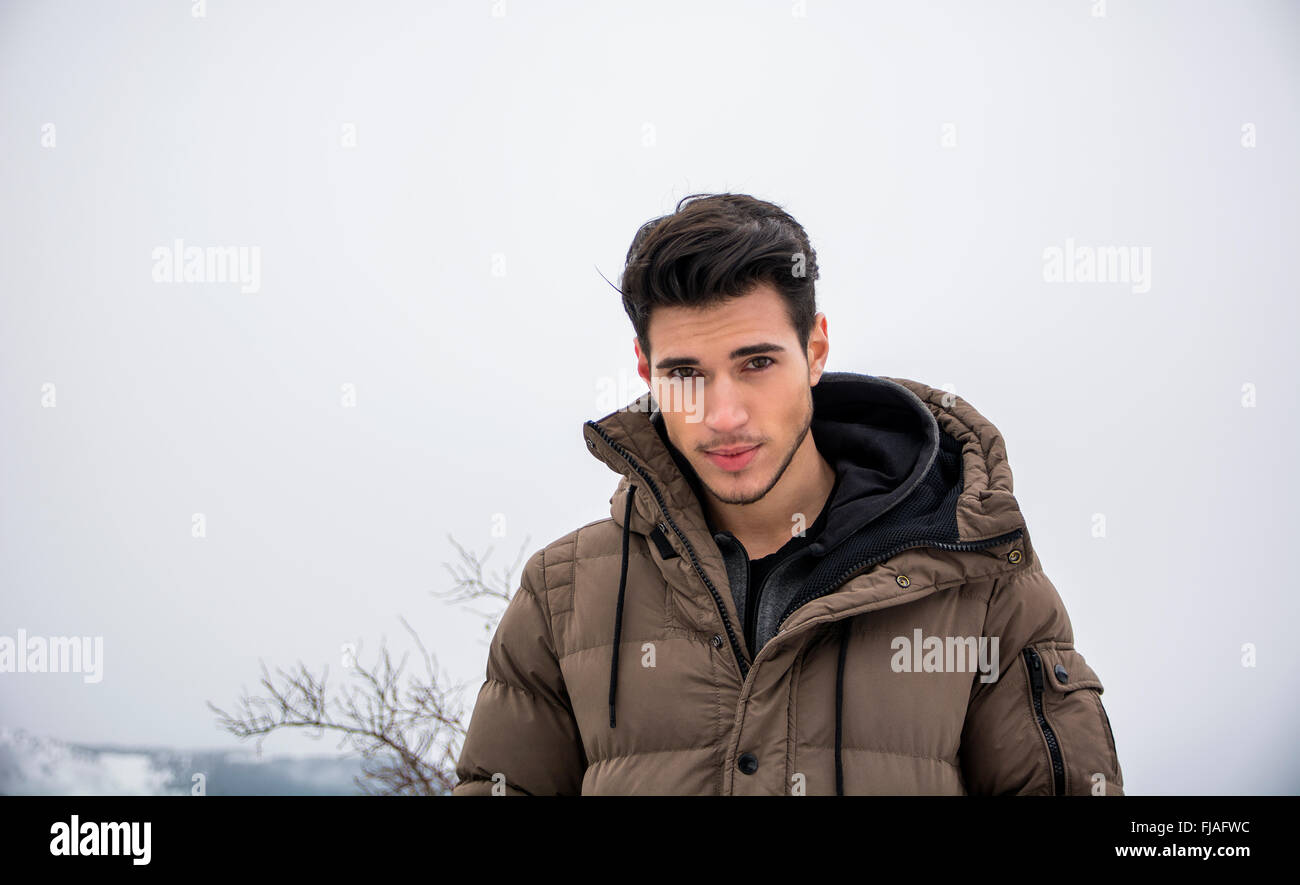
(737, 388)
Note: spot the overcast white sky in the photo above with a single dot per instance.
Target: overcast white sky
(389, 160)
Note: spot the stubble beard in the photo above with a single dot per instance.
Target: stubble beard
(789, 456)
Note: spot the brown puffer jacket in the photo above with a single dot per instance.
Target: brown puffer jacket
(916, 648)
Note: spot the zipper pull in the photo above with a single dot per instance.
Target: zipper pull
(1035, 670)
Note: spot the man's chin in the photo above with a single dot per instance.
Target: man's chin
(736, 488)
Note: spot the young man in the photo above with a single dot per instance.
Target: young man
(809, 582)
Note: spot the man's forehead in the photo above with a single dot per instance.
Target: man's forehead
(719, 332)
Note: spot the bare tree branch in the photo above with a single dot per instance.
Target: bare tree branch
(471, 584)
(408, 729)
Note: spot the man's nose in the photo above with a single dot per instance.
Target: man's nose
(724, 408)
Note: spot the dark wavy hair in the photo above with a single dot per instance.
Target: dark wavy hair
(717, 246)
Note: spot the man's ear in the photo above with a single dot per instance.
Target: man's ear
(642, 361)
(819, 347)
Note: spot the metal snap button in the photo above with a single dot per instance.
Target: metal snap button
(903, 581)
(748, 763)
(1013, 556)
(1061, 673)
(716, 640)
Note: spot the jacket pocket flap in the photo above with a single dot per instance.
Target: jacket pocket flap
(1067, 670)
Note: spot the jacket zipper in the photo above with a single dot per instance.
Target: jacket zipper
(805, 598)
(690, 550)
(1053, 746)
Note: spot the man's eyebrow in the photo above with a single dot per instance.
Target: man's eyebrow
(674, 362)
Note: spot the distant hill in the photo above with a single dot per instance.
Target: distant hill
(32, 765)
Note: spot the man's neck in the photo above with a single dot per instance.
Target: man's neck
(765, 526)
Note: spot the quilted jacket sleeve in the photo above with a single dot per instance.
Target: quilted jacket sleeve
(1040, 728)
(522, 737)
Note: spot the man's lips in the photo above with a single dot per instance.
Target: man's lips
(738, 460)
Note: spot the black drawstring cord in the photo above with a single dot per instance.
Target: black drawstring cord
(839, 710)
(618, 611)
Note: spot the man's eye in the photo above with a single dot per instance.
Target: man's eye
(672, 373)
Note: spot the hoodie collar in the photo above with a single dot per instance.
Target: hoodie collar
(880, 434)
(881, 440)
(877, 435)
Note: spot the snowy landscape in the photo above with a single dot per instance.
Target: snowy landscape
(34, 765)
